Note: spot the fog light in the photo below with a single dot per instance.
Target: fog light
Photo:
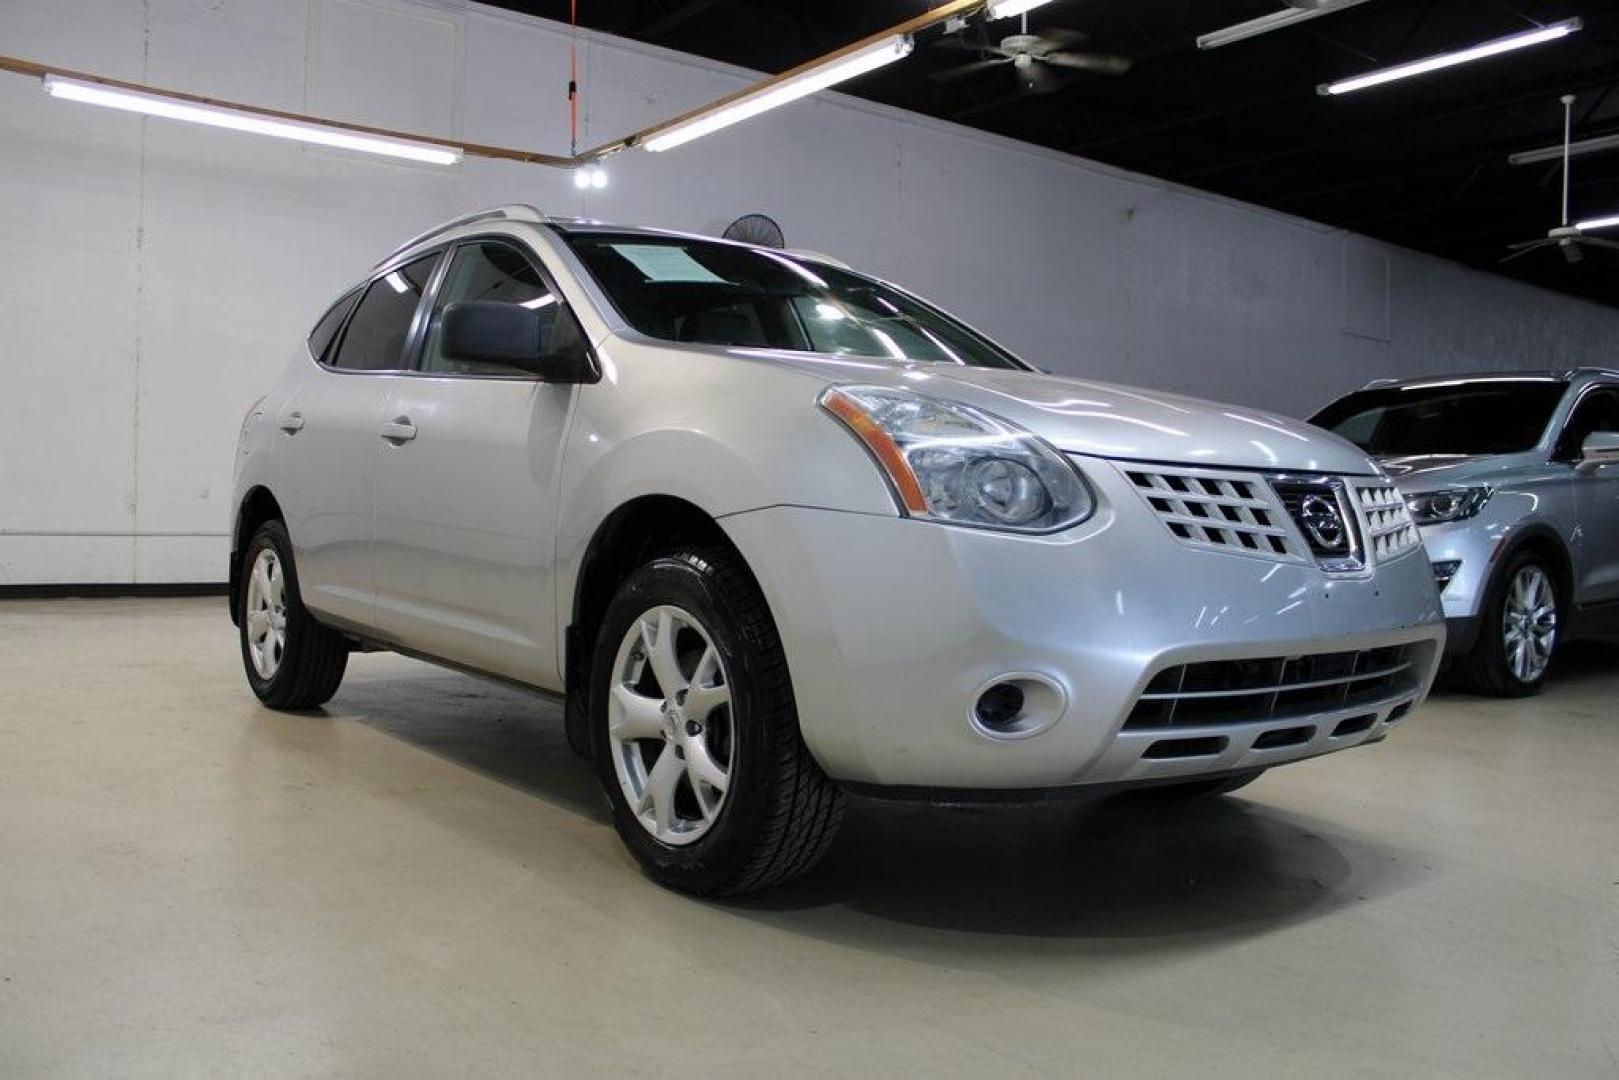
(1016, 705)
(1000, 705)
(1444, 571)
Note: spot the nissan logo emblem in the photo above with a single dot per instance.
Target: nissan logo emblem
(1320, 517)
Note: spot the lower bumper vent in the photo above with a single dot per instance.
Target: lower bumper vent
(1215, 692)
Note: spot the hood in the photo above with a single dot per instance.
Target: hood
(1106, 420)
(1414, 473)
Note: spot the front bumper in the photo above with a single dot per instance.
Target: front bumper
(1472, 546)
(892, 626)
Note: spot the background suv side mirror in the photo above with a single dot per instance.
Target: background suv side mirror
(490, 332)
(1600, 447)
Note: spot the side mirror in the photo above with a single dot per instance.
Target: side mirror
(1600, 448)
(489, 332)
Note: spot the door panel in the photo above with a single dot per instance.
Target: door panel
(1597, 506)
(326, 450)
(326, 447)
(1596, 489)
(464, 523)
(466, 491)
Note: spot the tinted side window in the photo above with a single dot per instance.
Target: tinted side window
(375, 338)
(488, 271)
(320, 338)
(1598, 411)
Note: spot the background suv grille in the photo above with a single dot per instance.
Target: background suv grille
(1389, 530)
(1206, 508)
(1215, 692)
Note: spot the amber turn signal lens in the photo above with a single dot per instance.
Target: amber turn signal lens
(882, 447)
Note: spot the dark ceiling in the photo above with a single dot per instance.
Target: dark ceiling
(1422, 163)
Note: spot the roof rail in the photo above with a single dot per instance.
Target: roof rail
(509, 212)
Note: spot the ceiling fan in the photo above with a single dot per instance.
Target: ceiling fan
(1565, 237)
(1031, 57)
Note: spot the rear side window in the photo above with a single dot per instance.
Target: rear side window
(375, 338)
(320, 338)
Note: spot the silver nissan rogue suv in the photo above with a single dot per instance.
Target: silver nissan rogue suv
(777, 530)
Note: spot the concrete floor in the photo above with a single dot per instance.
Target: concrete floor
(421, 881)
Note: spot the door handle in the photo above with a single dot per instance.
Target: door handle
(399, 430)
(292, 423)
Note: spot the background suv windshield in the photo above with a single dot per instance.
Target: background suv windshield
(712, 293)
(1504, 416)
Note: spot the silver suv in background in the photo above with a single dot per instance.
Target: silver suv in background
(776, 529)
(1514, 481)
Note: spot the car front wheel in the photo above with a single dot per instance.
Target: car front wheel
(1519, 635)
(697, 744)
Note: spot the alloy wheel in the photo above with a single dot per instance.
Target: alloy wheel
(669, 725)
(1529, 624)
(266, 614)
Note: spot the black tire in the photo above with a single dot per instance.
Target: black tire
(780, 812)
(314, 656)
(1486, 669)
(1165, 794)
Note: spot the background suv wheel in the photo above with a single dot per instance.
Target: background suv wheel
(1520, 627)
(697, 743)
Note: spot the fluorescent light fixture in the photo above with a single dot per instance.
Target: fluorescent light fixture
(773, 94)
(1511, 43)
(1274, 21)
(136, 101)
(1555, 153)
(1597, 223)
(1005, 9)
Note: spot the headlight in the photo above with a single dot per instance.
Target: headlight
(1453, 504)
(957, 464)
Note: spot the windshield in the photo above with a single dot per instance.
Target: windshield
(713, 293)
(1495, 416)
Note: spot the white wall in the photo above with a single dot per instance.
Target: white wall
(156, 275)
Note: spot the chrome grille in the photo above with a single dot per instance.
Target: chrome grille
(1211, 693)
(1390, 532)
(1209, 508)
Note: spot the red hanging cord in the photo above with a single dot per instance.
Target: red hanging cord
(573, 80)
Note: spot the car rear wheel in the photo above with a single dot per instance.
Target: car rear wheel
(292, 661)
(1522, 620)
(697, 743)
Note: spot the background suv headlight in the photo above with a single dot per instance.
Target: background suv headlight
(1452, 504)
(953, 463)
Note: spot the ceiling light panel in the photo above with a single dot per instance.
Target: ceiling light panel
(1483, 51)
(91, 93)
(779, 93)
(1276, 20)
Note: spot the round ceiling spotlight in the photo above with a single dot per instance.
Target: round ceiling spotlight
(591, 176)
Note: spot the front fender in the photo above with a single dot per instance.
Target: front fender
(1513, 516)
(726, 435)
